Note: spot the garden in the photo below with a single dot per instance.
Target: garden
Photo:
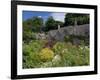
(49, 52)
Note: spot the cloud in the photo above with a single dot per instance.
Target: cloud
(58, 16)
(39, 16)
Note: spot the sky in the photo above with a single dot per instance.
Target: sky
(45, 15)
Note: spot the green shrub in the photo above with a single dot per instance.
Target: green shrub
(46, 54)
(58, 47)
(31, 54)
(60, 55)
(46, 64)
(84, 40)
(76, 56)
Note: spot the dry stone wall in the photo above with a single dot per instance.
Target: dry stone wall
(79, 30)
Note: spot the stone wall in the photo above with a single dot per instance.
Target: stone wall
(79, 30)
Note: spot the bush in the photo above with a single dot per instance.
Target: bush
(84, 40)
(31, 54)
(46, 54)
(76, 56)
(57, 61)
(46, 64)
(60, 55)
(59, 47)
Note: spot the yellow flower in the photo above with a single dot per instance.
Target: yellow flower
(46, 54)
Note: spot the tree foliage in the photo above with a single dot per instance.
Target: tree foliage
(70, 19)
(27, 30)
(37, 23)
(52, 24)
(59, 23)
(30, 26)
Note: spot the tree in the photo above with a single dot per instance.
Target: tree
(27, 30)
(59, 23)
(50, 24)
(27, 25)
(30, 26)
(72, 18)
(37, 24)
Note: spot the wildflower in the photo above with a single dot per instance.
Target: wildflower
(56, 58)
(64, 50)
